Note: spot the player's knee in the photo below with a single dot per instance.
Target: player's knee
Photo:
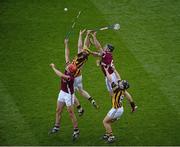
(80, 89)
(83, 92)
(104, 121)
(58, 110)
(70, 111)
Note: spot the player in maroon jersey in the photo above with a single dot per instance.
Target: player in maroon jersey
(106, 61)
(66, 97)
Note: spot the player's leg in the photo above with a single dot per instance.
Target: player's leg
(84, 93)
(107, 125)
(74, 122)
(72, 116)
(59, 109)
(77, 103)
(109, 134)
(70, 108)
(79, 87)
(78, 106)
(113, 115)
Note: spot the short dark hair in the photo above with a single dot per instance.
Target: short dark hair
(110, 47)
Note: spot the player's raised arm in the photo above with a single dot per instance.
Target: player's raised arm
(107, 74)
(80, 41)
(57, 72)
(95, 54)
(115, 71)
(67, 51)
(96, 42)
(87, 42)
(130, 99)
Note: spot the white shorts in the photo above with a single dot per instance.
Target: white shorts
(67, 98)
(108, 83)
(115, 113)
(78, 83)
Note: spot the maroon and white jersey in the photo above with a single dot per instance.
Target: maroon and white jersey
(106, 60)
(67, 85)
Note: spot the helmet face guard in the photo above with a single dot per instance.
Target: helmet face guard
(123, 84)
(110, 47)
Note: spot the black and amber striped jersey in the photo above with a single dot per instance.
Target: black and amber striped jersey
(77, 73)
(118, 96)
(79, 60)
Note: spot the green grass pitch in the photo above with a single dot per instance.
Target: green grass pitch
(146, 54)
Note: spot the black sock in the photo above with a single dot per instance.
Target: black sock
(57, 126)
(78, 107)
(76, 129)
(90, 99)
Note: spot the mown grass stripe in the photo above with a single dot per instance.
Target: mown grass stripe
(13, 128)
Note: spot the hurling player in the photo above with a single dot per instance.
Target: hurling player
(106, 60)
(79, 60)
(119, 89)
(66, 97)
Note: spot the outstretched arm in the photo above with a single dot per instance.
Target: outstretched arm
(87, 41)
(80, 41)
(115, 71)
(58, 73)
(96, 42)
(66, 51)
(130, 99)
(87, 44)
(107, 74)
(96, 54)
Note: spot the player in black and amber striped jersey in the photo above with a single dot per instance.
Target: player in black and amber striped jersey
(79, 60)
(119, 92)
